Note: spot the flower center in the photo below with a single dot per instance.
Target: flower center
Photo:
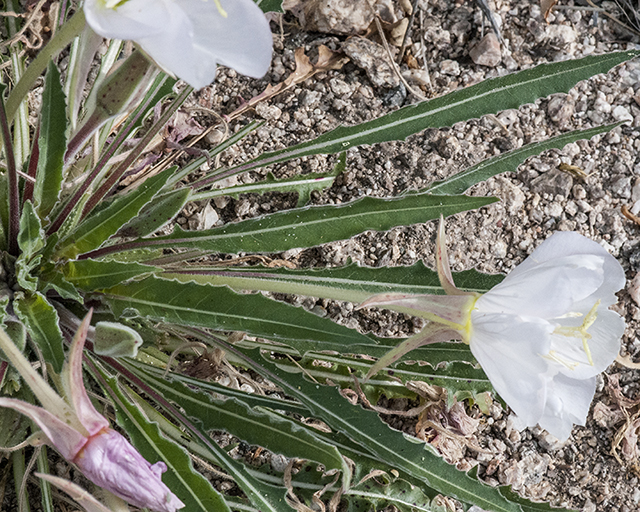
(579, 331)
(465, 330)
(112, 4)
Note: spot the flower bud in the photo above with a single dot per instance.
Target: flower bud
(109, 460)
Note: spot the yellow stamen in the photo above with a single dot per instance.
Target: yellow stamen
(553, 355)
(219, 6)
(581, 330)
(112, 4)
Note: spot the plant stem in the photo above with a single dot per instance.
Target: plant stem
(62, 38)
(106, 156)
(115, 176)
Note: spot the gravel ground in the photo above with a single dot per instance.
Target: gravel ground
(536, 200)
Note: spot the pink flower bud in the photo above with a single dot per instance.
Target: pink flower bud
(109, 460)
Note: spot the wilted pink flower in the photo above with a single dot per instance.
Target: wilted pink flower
(109, 460)
(82, 435)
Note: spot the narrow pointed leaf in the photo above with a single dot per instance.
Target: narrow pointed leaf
(156, 214)
(303, 185)
(265, 497)
(509, 162)
(92, 275)
(316, 224)
(487, 97)
(41, 320)
(52, 142)
(409, 455)
(143, 370)
(95, 230)
(352, 282)
(218, 307)
(255, 426)
(339, 369)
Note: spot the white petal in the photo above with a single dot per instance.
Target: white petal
(508, 348)
(131, 20)
(241, 41)
(547, 290)
(567, 243)
(189, 38)
(568, 403)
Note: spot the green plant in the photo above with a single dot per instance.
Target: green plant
(69, 243)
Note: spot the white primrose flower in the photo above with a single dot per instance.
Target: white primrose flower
(541, 335)
(189, 38)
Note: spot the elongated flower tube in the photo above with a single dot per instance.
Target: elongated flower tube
(541, 335)
(189, 38)
(82, 435)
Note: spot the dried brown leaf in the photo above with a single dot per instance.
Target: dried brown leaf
(546, 6)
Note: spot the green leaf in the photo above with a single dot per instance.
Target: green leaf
(487, 97)
(30, 235)
(265, 497)
(186, 483)
(218, 307)
(270, 5)
(316, 225)
(156, 214)
(252, 399)
(52, 142)
(41, 320)
(255, 426)
(454, 376)
(95, 230)
(509, 162)
(25, 277)
(394, 448)
(436, 353)
(54, 280)
(303, 185)
(90, 275)
(352, 282)
(527, 505)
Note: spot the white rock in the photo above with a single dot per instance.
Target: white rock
(621, 113)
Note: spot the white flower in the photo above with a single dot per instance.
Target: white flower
(545, 332)
(189, 38)
(541, 335)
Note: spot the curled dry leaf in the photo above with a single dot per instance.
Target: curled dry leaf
(546, 6)
(629, 214)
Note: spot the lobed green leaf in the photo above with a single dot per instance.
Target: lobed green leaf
(218, 307)
(316, 225)
(487, 97)
(509, 162)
